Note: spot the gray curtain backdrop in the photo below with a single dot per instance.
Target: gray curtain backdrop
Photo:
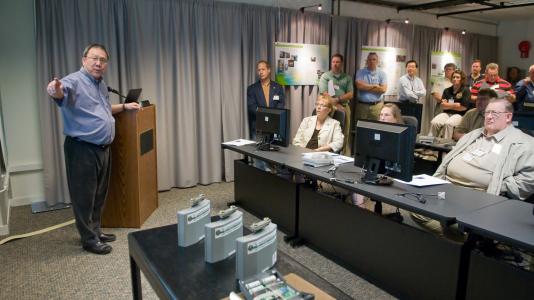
(194, 60)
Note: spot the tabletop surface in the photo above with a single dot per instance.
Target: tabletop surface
(183, 273)
(458, 200)
(510, 221)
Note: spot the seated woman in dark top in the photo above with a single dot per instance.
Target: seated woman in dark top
(320, 132)
(454, 102)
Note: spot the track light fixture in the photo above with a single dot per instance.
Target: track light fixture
(405, 21)
(319, 7)
(463, 31)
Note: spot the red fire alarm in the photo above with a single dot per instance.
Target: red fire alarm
(524, 48)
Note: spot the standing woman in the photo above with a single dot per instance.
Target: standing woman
(320, 132)
(454, 102)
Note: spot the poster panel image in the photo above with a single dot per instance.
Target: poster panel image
(300, 64)
(439, 59)
(391, 61)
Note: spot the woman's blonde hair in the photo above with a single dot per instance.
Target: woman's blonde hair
(328, 102)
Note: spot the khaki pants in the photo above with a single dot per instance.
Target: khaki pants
(367, 112)
(442, 125)
(346, 132)
(450, 232)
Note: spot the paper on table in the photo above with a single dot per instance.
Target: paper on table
(341, 159)
(309, 154)
(424, 180)
(239, 142)
(338, 159)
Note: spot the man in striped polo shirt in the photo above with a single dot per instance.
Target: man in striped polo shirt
(493, 81)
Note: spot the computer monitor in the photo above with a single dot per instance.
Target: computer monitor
(524, 121)
(384, 148)
(272, 127)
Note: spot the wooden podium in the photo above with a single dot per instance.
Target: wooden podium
(133, 186)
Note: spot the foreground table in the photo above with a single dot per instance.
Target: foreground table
(510, 222)
(181, 273)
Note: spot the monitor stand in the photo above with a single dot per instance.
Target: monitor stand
(265, 144)
(371, 175)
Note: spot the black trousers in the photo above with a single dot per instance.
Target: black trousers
(88, 170)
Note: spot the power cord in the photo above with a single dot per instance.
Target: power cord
(25, 235)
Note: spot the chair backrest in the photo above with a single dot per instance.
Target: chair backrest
(411, 109)
(339, 115)
(411, 120)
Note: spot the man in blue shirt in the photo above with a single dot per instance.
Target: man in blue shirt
(89, 128)
(372, 84)
(524, 91)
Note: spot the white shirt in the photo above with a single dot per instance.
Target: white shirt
(411, 89)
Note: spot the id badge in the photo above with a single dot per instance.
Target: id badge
(467, 157)
(478, 152)
(276, 98)
(496, 149)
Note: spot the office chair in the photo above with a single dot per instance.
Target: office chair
(339, 115)
(410, 120)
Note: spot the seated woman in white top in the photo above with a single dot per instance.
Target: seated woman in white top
(320, 132)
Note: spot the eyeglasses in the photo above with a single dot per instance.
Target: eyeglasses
(102, 60)
(495, 114)
(321, 105)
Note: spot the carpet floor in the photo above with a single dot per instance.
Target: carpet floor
(54, 266)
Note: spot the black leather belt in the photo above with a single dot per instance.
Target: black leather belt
(370, 103)
(85, 142)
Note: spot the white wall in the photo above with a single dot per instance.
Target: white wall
(18, 85)
(510, 34)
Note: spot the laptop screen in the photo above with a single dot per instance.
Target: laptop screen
(133, 95)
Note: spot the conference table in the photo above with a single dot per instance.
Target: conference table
(509, 222)
(404, 260)
(181, 272)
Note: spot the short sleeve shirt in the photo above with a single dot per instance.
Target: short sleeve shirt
(370, 77)
(342, 83)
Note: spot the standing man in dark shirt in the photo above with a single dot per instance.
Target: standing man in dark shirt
(475, 75)
(524, 90)
(89, 128)
(263, 93)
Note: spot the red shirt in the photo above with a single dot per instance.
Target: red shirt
(499, 85)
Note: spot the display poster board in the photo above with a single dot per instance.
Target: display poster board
(300, 64)
(391, 61)
(439, 59)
